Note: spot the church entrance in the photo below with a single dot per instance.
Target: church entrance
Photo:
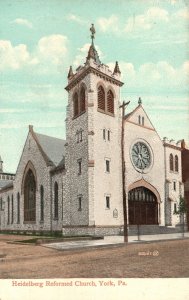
(143, 207)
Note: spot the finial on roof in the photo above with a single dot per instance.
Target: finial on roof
(139, 101)
(92, 53)
(31, 128)
(116, 69)
(92, 30)
(70, 73)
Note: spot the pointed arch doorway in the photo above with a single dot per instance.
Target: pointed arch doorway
(143, 206)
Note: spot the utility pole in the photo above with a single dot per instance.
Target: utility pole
(123, 106)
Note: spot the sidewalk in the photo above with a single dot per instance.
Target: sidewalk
(113, 240)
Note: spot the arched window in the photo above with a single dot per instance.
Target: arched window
(56, 200)
(101, 98)
(171, 162)
(82, 100)
(139, 119)
(12, 210)
(18, 208)
(110, 102)
(41, 203)
(76, 105)
(176, 163)
(29, 197)
(8, 210)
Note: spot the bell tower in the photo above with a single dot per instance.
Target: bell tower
(93, 160)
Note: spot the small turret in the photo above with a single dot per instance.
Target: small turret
(116, 69)
(70, 73)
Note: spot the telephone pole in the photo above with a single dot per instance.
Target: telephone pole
(125, 228)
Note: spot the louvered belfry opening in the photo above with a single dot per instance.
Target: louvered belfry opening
(82, 100)
(110, 102)
(76, 105)
(101, 98)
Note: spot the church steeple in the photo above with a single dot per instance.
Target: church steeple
(1, 165)
(92, 53)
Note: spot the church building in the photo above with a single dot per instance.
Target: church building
(75, 186)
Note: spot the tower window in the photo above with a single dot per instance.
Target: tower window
(110, 102)
(139, 119)
(175, 207)
(143, 121)
(107, 166)
(171, 162)
(101, 98)
(79, 166)
(76, 105)
(80, 202)
(107, 202)
(108, 135)
(176, 163)
(174, 185)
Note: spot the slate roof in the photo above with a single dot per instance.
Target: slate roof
(6, 184)
(53, 147)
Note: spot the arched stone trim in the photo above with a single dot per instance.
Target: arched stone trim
(147, 185)
(31, 167)
(109, 87)
(100, 82)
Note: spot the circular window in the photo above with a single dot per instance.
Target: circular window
(141, 156)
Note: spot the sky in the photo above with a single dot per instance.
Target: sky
(39, 40)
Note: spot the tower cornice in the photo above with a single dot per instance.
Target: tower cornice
(87, 70)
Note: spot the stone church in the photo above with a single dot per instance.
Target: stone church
(75, 186)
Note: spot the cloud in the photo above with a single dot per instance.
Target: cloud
(108, 24)
(160, 75)
(74, 18)
(13, 57)
(23, 22)
(82, 54)
(182, 13)
(146, 21)
(51, 51)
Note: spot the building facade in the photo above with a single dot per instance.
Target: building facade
(75, 186)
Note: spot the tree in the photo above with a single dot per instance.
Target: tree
(181, 211)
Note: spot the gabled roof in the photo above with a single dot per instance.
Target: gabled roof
(52, 147)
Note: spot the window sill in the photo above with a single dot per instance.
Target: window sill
(75, 117)
(29, 222)
(105, 112)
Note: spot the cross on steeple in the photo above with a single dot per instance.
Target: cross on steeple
(92, 30)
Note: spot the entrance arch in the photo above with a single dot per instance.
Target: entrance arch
(143, 206)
